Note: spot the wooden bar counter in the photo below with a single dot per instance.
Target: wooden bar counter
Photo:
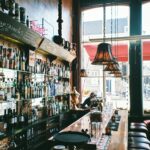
(118, 139)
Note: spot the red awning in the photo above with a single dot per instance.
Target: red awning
(146, 50)
(120, 51)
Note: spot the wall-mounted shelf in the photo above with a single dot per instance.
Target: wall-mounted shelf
(15, 31)
(56, 50)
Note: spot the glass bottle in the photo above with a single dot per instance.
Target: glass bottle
(27, 21)
(23, 61)
(17, 11)
(5, 120)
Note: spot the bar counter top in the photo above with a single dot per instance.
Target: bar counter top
(118, 139)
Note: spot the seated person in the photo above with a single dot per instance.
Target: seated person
(89, 101)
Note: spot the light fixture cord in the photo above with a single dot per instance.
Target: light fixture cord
(111, 23)
(104, 22)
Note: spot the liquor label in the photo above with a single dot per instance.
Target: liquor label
(31, 58)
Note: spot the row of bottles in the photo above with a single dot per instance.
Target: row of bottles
(29, 138)
(18, 142)
(12, 120)
(55, 106)
(13, 9)
(46, 67)
(7, 88)
(14, 58)
(26, 88)
(26, 139)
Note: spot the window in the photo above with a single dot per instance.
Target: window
(117, 25)
(146, 57)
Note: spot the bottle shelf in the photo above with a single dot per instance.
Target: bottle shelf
(29, 126)
(27, 80)
(36, 74)
(34, 99)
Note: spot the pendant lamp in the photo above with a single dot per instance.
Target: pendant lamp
(116, 73)
(112, 67)
(104, 53)
(83, 73)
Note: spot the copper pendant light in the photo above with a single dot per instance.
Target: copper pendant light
(83, 73)
(104, 55)
(112, 67)
(116, 73)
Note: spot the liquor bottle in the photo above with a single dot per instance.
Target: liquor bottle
(25, 90)
(22, 15)
(15, 118)
(28, 89)
(17, 11)
(22, 89)
(57, 107)
(5, 120)
(67, 72)
(17, 95)
(45, 89)
(13, 88)
(2, 94)
(1, 56)
(27, 21)
(21, 120)
(38, 66)
(12, 144)
(31, 89)
(10, 120)
(17, 59)
(35, 90)
(41, 89)
(11, 9)
(23, 61)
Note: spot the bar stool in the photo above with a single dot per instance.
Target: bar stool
(137, 134)
(137, 128)
(138, 124)
(136, 146)
(138, 140)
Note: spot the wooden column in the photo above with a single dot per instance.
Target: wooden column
(135, 60)
(76, 39)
